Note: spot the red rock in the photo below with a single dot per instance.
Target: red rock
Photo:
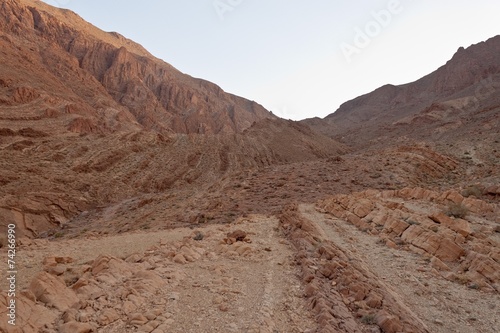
(238, 235)
(493, 190)
(395, 226)
(53, 292)
(362, 207)
(30, 316)
(439, 265)
(388, 323)
(107, 317)
(449, 250)
(374, 300)
(460, 226)
(137, 319)
(484, 265)
(426, 240)
(74, 327)
(477, 206)
(452, 196)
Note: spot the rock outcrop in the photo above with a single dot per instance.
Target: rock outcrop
(462, 249)
(342, 293)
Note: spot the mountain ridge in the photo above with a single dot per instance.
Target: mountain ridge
(467, 80)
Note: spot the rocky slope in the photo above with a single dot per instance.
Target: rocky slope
(70, 76)
(56, 179)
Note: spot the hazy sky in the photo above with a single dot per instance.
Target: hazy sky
(298, 58)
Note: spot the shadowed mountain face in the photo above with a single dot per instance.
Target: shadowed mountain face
(460, 98)
(82, 79)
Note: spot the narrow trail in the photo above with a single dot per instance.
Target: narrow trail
(440, 304)
(256, 293)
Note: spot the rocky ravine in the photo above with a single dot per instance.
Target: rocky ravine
(146, 200)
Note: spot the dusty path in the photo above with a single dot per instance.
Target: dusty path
(256, 292)
(443, 306)
(248, 286)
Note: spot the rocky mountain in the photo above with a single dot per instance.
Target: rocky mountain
(78, 78)
(65, 85)
(144, 200)
(460, 99)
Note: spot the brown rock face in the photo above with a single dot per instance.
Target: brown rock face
(458, 225)
(95, 81)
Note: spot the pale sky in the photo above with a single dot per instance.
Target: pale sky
(298, 58)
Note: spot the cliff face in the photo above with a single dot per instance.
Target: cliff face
(109, 81)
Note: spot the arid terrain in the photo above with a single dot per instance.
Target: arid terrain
(145, 200)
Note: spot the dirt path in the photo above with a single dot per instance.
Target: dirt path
(256, 292)
(242, 287)
(443, 306)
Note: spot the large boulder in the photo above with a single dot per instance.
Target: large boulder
(51, 291)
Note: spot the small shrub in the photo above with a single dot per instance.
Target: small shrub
(199, 236)
(412, 222)
(473, 190)
(474, 286)
(457, 210)
(368, 319)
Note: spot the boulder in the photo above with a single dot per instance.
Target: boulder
(75, 327)
(52, 291)
(458, 225)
